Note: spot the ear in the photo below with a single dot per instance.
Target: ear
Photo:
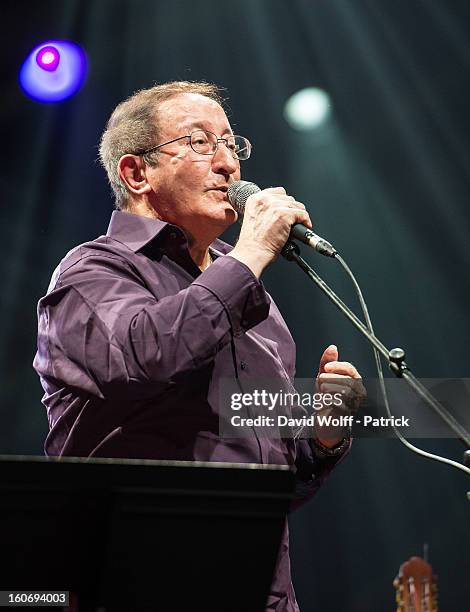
(131, 170)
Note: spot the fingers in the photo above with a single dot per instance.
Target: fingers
(340, 374)
(329, 354)
(269, 216)
(290, 213)
(275, 190)
(340, 377)
(351, 391)
(338, 383)
(277, 200)
(341, 367)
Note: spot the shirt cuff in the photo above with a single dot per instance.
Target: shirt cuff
(241, 293)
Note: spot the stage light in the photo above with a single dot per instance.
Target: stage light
(48, 58)
(53, 71)
(307, 109)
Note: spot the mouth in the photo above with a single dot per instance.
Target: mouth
(222, 190)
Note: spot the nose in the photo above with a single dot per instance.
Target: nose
(223, 161)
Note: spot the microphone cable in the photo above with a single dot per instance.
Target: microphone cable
(383, 388)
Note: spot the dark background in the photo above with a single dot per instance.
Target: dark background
(387, 181)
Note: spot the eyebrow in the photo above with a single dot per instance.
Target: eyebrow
(202, 126)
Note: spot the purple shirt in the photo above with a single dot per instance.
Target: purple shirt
(132, 341)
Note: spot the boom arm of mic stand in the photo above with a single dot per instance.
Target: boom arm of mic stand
(395, 357)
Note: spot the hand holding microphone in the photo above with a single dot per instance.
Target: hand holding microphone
(271, 217)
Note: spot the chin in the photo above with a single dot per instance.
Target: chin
(220, 222)
(230, 215)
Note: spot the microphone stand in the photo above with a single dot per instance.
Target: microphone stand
(395, 357)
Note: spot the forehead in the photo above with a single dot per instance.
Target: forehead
(186, 111)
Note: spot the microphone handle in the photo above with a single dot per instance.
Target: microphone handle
(303, 234)
(239, 192)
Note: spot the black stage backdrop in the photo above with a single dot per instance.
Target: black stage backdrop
(387, 180)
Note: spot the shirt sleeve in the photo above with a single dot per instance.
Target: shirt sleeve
(103, 331)
(312, 469)
(313, 463)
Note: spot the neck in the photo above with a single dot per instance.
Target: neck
(198, 247)
(142, 208)
(200, 255)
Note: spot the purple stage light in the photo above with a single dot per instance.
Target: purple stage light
(48, 58)
(53, 71)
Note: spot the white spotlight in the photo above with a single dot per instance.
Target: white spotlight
(307, 109)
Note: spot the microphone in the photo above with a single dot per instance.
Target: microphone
(239, 192)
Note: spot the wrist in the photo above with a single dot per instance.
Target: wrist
(255, 259)
(322, 451)
(329, 442)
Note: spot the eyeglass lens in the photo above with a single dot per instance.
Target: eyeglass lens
(206, 143)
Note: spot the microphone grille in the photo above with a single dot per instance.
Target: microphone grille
(239, 192)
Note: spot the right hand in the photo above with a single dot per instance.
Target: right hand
(269, 216)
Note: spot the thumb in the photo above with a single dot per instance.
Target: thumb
(329, 354)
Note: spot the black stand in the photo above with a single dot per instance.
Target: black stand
(395, 357)
(143, 535)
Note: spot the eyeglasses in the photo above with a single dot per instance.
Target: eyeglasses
(207, 143)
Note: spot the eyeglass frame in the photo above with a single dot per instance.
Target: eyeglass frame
(198, 152)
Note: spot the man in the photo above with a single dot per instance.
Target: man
(139, 325)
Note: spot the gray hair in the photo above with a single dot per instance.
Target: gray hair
(133, 126)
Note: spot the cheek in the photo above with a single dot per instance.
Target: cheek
(237, 174)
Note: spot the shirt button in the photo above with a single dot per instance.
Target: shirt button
(173, 235)
(243, 365)
(244, 322)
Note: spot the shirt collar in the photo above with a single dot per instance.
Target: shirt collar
(135, 231)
